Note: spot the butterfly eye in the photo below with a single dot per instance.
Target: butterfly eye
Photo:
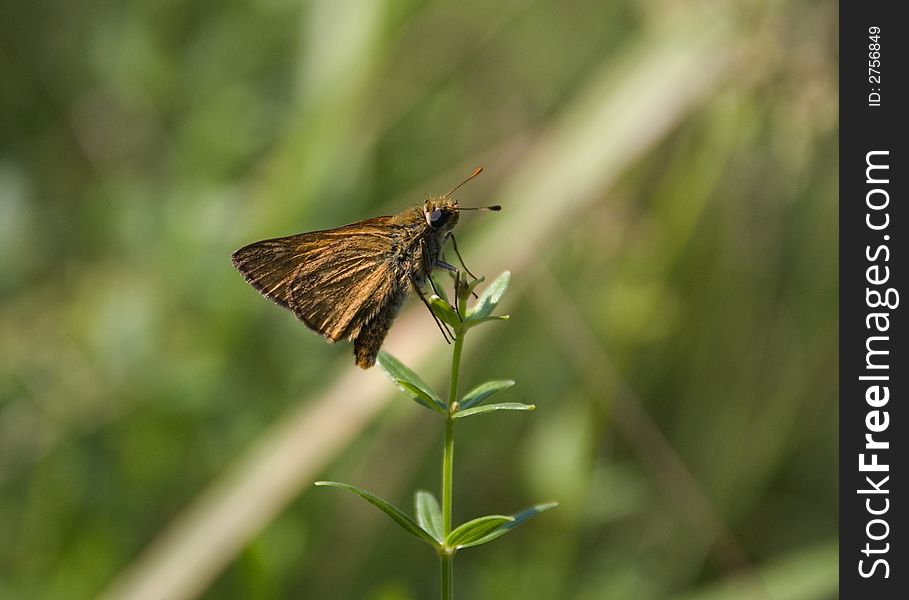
(437, 218)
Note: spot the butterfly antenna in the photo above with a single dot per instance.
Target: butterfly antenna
(493, 208)
(476, 172)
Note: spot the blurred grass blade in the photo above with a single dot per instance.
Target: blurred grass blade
(518, 519)
(479, 410)
(807, 572)
(409, 382)
(468, 534)
(396, 514)
(429, 515)
(490, 298)
(483, 391)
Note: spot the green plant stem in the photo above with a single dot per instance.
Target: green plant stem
(447, 576)
(448, 454)
(447, 476)
(447, 559)
(455, 369)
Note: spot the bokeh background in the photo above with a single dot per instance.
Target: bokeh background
(668, 172)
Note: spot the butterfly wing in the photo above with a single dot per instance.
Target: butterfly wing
(335, 281)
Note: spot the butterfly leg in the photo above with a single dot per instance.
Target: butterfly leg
(444, 265)
(429, 263)
(454, 244)
(445, 333)
(454, 271)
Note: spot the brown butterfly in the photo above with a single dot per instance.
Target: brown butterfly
(350, 282)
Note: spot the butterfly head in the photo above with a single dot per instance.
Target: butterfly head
(441, 213)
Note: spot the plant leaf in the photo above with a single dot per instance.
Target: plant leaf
(471, 323)
(444, 311)
(467, 533)
(490, 298)
(420, 397)
(396, 514)
(483, 391)
(429, 515)
(439, 287)
(473, 285)
(409, 382)
(479, 410)
(521, 517)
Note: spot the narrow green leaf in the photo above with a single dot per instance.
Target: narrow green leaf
(471, 323)
(400, 374)
(467, 533)
(479, 410)
(521, 517)
(396, 514)
(490, 298)
(439, 287)
(420, 397)
(429, 515)
(444, 311)
(473, 285)
(483, 391)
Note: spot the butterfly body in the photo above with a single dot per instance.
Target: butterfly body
(350, 282)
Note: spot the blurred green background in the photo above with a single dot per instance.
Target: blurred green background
(668, 176)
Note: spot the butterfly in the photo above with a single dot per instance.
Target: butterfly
(349, 283)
